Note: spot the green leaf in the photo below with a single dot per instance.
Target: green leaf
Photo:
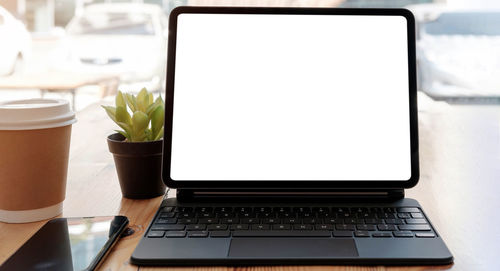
(160, 100)
(111, 111)
(119, 100)
(140, 122)
(143, 100)
(159, 135)
(157, 118)
(127, 128)
(151, 99)
(149, 134)
(122, 115)
(132, 102)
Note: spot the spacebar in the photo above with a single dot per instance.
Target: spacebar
(279, 233)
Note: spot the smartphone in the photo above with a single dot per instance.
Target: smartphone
(68, 244)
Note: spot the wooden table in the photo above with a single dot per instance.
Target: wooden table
(460, 181)
(52, 81)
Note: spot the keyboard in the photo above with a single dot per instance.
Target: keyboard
(281, 221)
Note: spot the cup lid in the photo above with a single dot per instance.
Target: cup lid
(33, 114)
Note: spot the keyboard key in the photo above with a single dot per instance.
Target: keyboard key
(223, 209)
(302, 209)
(345, 227)
(172, 220)
(374, 221)
(203, 209)
(382, 234)
(282, 209)
(196, 227)
(402, 234)
(362, 234)
(345, 215)
(394, 221)
(333, 221)
(389, 210)
(184, 209)
(404, 215)
(266, 215)
(260, 227)
(220, 234)
(263, 209)
(187, 220)
(366, 227)
(327, 215)
(217, 227)
(408, 210)
(340, 210)
(414, 227)
(239, 227)
(281, 227)
(281, 234)
(167, 227)
(208, 221)
(249, 221)
(168, 209)
(366, 215)
(167, 215)
(186, 215)
(386, 227)
(416, 215)
(358, 210)
(270, 221)
(198, 234)
(225, 215)
(425, 234)
(175, 234)
(385, 215)
(291, 221)
(243, 209)
(342, 233)
(229, 221)
(416, 221)
(156, 234)
(310, 221)
(350, 221)
(321, 210)
(286, 215)
(302, 227)
(247, 215)
(205, 215)
(306, 215)
(324, 227)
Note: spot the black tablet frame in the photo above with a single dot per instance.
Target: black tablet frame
(305, 185)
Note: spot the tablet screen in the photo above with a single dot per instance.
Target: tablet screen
(287, 97)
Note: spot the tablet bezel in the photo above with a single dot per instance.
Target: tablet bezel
(290, 185)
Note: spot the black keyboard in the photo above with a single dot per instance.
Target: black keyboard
(332, 222)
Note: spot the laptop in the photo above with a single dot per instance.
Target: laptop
(290, 137)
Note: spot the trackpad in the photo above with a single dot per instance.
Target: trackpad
(292, 247)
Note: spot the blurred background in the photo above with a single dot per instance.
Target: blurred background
(84, 50)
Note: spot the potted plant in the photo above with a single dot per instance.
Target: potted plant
(137, 148)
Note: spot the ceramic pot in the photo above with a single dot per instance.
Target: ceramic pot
(138, 165)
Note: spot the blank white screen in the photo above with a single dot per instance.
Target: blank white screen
(291, 97)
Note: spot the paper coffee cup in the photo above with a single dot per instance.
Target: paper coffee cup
(34, 149)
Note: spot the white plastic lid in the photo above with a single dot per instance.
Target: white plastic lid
(35, 114)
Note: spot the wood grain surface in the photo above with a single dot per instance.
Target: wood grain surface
(458, 188)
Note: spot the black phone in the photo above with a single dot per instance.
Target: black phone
(68, 244)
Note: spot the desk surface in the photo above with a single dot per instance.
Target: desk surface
(458, 189)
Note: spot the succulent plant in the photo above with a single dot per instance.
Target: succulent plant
(145, 123)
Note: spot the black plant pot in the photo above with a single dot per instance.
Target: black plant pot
(138, 165)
